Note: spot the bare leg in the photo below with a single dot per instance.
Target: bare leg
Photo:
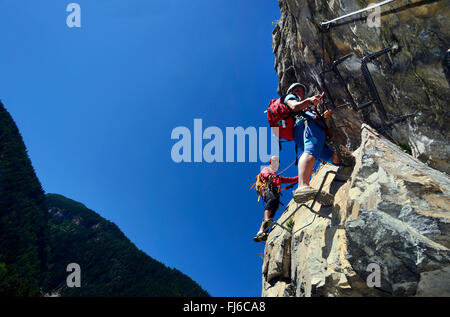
(267, 215)
(305, 168)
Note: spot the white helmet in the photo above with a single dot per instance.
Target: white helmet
(291, 88)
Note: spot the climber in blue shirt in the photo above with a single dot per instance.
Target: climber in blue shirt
(310, 139)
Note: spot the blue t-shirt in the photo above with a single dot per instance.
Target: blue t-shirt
(307, 113)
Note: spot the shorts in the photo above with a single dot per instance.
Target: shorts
(272, 201)
(311, 139)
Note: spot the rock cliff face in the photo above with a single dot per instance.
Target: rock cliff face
(410, 79)
(388, 233)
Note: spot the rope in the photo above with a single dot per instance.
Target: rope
(289, 165)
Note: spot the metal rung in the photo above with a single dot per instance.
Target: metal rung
(342, 106)
(365, 105)
(395, 121)
(341, 60)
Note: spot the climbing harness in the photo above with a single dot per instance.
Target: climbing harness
(261, 185)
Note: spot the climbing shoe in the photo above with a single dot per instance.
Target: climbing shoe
(260, 236)
(306, 193)
(267, 223)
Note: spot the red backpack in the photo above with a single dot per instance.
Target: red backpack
(281, 116)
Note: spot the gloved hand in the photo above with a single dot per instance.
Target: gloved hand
(327, 113)
(315, 100)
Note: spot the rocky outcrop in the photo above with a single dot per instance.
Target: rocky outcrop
(388, 233)
(410, 79)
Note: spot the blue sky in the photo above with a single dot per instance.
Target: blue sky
(96, 106)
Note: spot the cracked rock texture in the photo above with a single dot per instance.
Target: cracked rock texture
(410, 79)
(388, 233)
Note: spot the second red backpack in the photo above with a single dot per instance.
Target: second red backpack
(280, 116)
